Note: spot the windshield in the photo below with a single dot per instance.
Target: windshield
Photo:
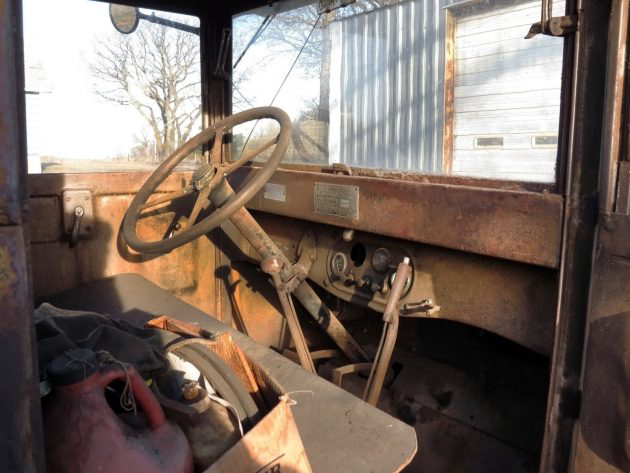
(433, 87)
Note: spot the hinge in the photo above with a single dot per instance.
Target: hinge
(550, 25)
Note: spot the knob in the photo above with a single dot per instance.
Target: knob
(364, 281)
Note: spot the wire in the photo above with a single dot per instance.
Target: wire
(241, 94)
(283, 80)
(263, 26)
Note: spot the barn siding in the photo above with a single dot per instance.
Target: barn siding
(386, 96)
(387, 90)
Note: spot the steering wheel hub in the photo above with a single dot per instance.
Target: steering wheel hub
(202, 176)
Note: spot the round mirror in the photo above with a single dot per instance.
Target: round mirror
(124, 18)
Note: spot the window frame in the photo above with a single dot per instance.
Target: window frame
(446, 19)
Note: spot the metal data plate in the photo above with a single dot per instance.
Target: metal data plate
(273, 191)
(334, 199)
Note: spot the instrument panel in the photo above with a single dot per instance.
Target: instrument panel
(365, 269)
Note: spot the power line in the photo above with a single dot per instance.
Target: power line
(283, 80)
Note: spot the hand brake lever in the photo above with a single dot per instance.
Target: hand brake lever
(271, 265)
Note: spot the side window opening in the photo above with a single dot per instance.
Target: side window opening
(99, 100)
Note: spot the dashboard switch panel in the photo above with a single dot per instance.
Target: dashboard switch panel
(365, 269)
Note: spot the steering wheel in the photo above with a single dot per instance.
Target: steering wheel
(208, 177)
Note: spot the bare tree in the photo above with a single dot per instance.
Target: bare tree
(155, 70)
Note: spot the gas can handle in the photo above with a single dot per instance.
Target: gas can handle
(143, 396)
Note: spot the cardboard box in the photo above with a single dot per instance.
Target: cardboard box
(274, 444)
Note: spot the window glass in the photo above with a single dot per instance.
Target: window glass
(100, 100)
(445, 87)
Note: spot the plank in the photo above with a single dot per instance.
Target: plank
(506, 61)
(522, 100)
(513, 46)
(548, 71)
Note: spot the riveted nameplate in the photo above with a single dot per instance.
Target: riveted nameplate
(275, 192)
(334, 199)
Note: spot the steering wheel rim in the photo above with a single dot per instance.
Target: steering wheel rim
(232, 205)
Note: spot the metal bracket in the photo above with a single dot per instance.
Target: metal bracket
(339, 169)
(78, 214)
(306, 252)
(550, 25)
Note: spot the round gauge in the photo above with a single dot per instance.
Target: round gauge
(338, 263)
(381, 260)
(392, 278)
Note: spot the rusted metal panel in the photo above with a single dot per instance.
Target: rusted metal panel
(11, 113)
(429, 178)
(44, 215)
(623, 188)
(187, 271)
(603, 435)
(582, 165)
(615, 238)
(100, 183)
(449, 94)
(463, 285)
(613, 102)
(515, 225)
(20, 442)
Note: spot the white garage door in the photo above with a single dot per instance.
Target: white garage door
(507, 93)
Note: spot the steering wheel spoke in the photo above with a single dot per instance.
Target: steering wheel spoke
(202, 198)
(231, 167)
(167, 198)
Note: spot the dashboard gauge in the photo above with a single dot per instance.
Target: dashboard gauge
(338, 264)
(381, 260)
(392, 278)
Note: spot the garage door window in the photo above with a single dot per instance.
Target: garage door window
(431, 87)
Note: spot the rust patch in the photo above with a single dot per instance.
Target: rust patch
(7, 273)
(515, 225)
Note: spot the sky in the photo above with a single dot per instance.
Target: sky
(67, 119)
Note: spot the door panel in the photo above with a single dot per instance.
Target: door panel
(604, 430)
(187, 271)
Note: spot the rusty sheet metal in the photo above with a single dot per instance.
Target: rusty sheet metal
(187, 271)
(21, 442)
(20, 448)
(11, 113)
(463, 285)
(100, 183)
(603, 436)
(44, 215)
(615, 237)
(428, 178)
(515, 225)
(587, 69)
(613, 102)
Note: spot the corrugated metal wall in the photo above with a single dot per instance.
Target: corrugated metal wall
(386, 108)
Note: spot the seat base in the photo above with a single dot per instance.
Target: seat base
(340, 432)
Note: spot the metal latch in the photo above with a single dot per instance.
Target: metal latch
(550, 25)
(78, 214)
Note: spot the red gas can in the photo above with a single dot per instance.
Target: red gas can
(84, 435)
